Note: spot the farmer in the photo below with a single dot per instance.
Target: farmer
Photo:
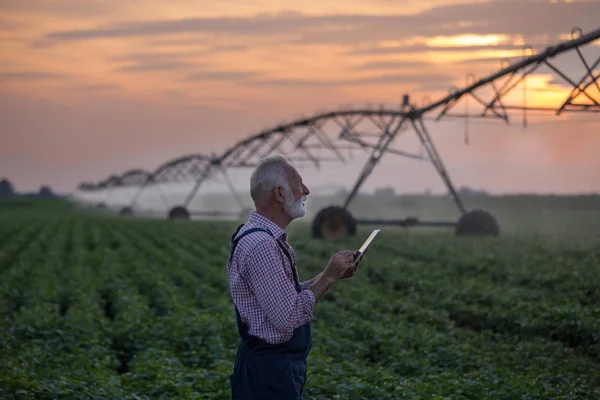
(273, 308)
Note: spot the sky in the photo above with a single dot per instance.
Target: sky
(92, 88)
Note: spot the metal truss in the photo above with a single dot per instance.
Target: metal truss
(325, 138)
(338, 136)
(500, 84)
(131, 178)
(86, 186)
(331, 137)
(134, 177)
(190, 168)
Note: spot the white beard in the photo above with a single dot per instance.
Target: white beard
(294, 210)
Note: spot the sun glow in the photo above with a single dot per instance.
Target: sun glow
(540, 92)
(439, 57)
(467, 40)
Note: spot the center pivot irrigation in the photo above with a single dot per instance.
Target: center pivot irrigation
(338, 136)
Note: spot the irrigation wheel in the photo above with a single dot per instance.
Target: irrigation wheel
(179, 212)
(332, 223)
(477, 223)
(126, 211)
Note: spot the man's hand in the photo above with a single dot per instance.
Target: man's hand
(340, 266)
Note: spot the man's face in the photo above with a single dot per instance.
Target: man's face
(296, 196)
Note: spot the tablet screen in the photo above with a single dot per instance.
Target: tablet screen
(366, 244)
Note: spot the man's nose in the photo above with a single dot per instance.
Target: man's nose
(305, 190)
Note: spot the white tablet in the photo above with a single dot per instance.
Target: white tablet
(366, 245)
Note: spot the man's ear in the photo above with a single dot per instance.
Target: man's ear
(279, 194)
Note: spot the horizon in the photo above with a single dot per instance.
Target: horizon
(462, 191)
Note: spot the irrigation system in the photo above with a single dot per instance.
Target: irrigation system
(336, 136)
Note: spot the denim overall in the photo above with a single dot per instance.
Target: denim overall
(265, 371)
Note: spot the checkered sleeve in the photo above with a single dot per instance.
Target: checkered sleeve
(285, 308)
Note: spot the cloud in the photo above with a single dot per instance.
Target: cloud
(420, 48)
(239, 26)
(69, 7)
(220, 75)
(28, 76)
(98, 87)
(205, 45)
(228, 48)
(378, 65)
(151, 57)
(41, 44)
(512, 17)
(484, 60)
(151, 66)
(6, 25)
(148, 62)
(379, 79)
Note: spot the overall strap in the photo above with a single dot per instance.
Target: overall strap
(237, 231)
(235, 242)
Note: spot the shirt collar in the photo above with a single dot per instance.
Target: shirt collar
(261, 220)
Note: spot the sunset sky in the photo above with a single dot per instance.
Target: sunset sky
(91, 88)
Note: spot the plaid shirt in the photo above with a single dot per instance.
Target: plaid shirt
(262, 284)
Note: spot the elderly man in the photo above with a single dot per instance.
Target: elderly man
(273, 308)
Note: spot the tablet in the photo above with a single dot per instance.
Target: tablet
(366, 245)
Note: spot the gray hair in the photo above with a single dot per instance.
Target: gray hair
(269, 174)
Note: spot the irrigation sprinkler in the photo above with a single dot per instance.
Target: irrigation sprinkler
(337, 136)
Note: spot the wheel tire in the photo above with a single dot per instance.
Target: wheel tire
(333, 223)
(179, 212)
(126, 211)
(477, 223)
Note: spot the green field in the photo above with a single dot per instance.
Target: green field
(96, 306)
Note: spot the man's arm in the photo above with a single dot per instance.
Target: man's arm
(306, 284)
(320, 285)
(285, 308)
(339, 267)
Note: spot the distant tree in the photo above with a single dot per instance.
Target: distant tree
(46, 191)
(6, 188)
